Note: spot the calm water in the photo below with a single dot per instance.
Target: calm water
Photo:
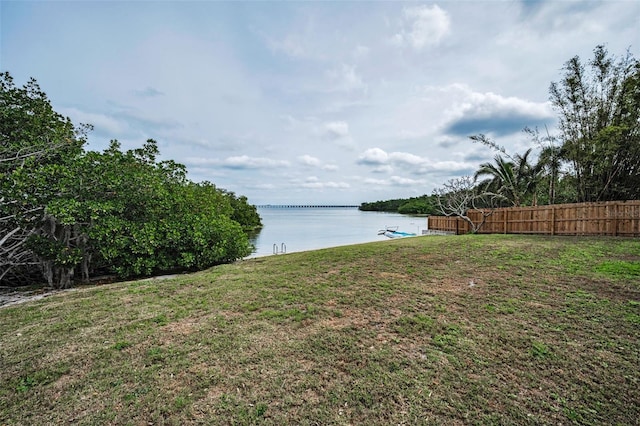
(301, 229)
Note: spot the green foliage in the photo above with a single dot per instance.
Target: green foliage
(424, 204)
(38, 148)
(70, 213)
(418, 205)
(599, 111)
(244, 213)
(514, 181)
(383, 206)
(56, 251)
(30, 128)
(161, 222)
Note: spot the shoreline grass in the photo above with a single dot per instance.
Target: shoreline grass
(484, 329)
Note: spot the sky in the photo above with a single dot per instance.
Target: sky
(310, 102)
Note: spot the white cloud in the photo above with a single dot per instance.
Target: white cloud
(322, 185)
(427, 25)
(402, 181)
(311, 161)
(336, 130)
(384, 169)
(396, 181)
(379, 157)
(313, 182)
(373, 156)
(246, 162)
(102, 123)
(384, 162)
(345, 78)
(406, 158)
(376, 182)
(476, 112)
(447, 166)
(238, 162)
(486, 104)
(337, 185)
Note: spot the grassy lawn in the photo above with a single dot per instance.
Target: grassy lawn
(429, 330)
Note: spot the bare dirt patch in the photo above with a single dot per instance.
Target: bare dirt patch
(10, 296)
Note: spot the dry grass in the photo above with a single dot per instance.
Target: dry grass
(432, 330)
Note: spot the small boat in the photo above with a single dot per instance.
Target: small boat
(388, 229)
(392, 232)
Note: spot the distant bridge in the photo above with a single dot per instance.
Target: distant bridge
(307, 206)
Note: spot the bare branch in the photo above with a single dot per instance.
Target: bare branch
(458, 196)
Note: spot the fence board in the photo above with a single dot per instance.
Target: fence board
(618, 218)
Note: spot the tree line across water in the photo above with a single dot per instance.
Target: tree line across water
(594, 156)
(425, 204)
(67, 214)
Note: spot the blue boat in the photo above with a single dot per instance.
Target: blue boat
(392, 232)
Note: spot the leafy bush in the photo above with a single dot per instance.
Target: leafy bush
(68, 213)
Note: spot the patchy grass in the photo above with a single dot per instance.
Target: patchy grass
(619, 268)
(431, 330)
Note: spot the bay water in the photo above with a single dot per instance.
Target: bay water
(289, 230)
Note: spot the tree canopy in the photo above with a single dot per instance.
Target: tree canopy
(424, 204)
(67, 213)
(598, 105)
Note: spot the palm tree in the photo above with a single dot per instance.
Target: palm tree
(501, 179)
(513, 180)
(529, 176)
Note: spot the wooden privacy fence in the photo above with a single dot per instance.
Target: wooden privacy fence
(618, 218)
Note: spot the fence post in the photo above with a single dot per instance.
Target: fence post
(553, 220)
(616, 213)
(504, 226)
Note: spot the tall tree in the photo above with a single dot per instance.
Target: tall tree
(599, 121)
(550, 161)
(36, 144)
